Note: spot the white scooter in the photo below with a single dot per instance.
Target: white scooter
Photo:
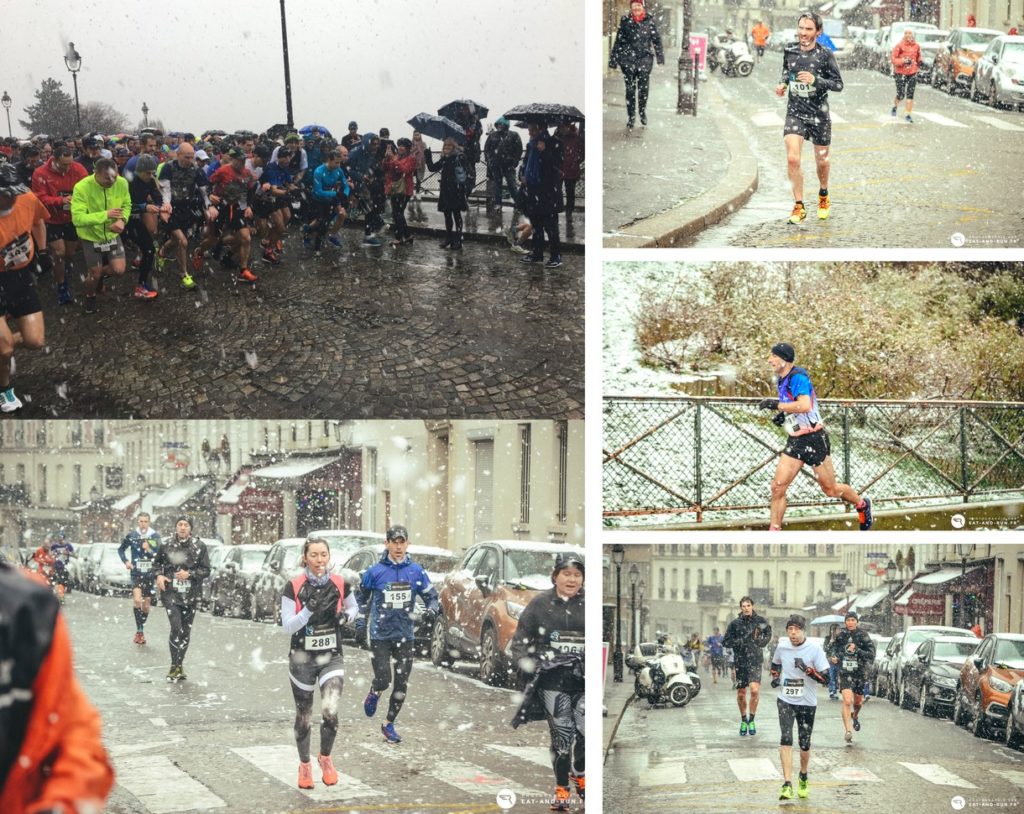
(732, 56)
(664, 678)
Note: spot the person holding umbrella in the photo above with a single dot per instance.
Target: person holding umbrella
(452, 198)
(637, 45)
(542, 179)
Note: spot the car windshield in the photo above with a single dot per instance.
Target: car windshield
(976, 40)
(932, 37)
(834, 28)
(109, 556)
(344, 545)
(918, 636)
(530, 567)
(252, 560)
(292, 555)
(1013, 52)
(956, 652)
(1011, 653)
(217, 556)
(438, 563)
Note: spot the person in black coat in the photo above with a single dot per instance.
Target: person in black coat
(452, 196)
(542, 185)
(637, 44)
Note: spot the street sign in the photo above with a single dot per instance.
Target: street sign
(699, 49)
(838, 581)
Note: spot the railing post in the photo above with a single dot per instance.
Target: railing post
(846, 445)
(697, 462)
(963, 451)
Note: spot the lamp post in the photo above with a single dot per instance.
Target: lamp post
(287, 72)
(618, 556)
(634, 575)
(641, 588)
(73, 61)
(6, 101)
(963, 551)
(145, 115)
(891, 581)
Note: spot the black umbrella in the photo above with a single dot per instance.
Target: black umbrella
(208, 133)
(438, 127)
(449, 110)
(543, 113)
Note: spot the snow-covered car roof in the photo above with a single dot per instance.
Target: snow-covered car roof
(346, 533)
(528, 545)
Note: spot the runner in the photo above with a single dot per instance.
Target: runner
(100, 208)
(717, 652)
(386, 599)
(229, 215)
(797, 664)
(22, 232)
(760, 34)
(312, 605)
(809, 71)
(906, 59)
(53, 183)
(278, 175)
(147, 206)
(181, 564)
(808, 443)
(852, 651)
(61, 551)
(329, 199)
(143, 542)
(747, 635)
(548, 645)
(186, 188)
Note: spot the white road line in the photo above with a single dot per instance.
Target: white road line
(837, 119)
(934, 773)
(282, 763)
(854, 774)
(163, 787)
(1015, 777)
(767, 118)
(671, 772)
(996, 122)
(118, 749)
(531, 754)
(938, 118)
(158, 722)
(752, 769)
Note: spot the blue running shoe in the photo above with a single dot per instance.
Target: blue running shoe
(388, 731)
(64, 292)
(370, 703)
(864, 515)
(335, 241)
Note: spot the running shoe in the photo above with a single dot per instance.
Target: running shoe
(327, 767)
(9, 402)
(305, 775)
(446, 245)
(247, 276)
(580, 782)
(370, 703)
(138, 637)
(181, 674)
(909, 120)
(90, 305)
(335, 241)
(630, 122)
(799, 213)
(307, 243)
(143, 293)
(64, 292)
(388, 731)
(560, 802)
(856, 724)
(279, 247)
(787, 791)
(271, 257)
(531, 259)
(801, 787)
(370, 240)
(743, 727)
(197, 261)
(187, 282)
(161, 261)
(643, 119)
(142, 638)
(751, 728)
(893, 112)
(520, 249)
(824, 203)
(172, 674)
(848, 737)
(554, 262)
(864, 515)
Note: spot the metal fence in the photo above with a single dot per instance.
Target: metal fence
(432, 183)
(691, 456)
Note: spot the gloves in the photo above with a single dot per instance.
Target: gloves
(428, 617)
(776, 675)
(318, 601)
(44, 261)
(768, 404)
(779, 418)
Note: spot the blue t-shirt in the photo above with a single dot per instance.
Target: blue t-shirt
(714, 644)
(794, 384)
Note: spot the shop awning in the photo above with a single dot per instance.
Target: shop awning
(869, 602)
(179, 494)
(847, 5)
(843, 603)
(293, 469)
(942, 575)
(126, 502)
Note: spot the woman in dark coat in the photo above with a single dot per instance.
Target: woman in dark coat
(452, 197)
(637, 44)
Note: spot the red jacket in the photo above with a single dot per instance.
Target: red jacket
(397, 168)
(902, 51)
(47, 184)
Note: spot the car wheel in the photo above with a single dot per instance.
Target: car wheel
(439, 655)
(1014, 739)
(979, 726)
(679, 695)
(993, 96)
(492, 663)
(975, 96)
(950, 84)
(904, 698)
(922, 702)
(959, 709)
(215, 607)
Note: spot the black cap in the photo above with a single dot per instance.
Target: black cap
(397, 532)
(237, 153)
(569, 559)
(262, 151)
(186, 519)
(797, 620)
(784, 351)
(851, 615)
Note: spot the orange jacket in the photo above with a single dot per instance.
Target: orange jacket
(760, 33)
(61, 761)
(902, 51)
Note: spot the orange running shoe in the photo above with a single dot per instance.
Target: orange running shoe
(824, 204)
(327, 767)
(305, 775)
(561, 800)
(580, 781)
(247, 276)
(799, 214)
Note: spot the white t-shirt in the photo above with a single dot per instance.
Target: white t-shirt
(796, 687)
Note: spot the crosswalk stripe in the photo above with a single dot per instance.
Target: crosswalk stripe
(671, 772)
(997, 122)
(531, 754)
(750, 769)
(282, 763)
(938, 118)
(854, 774)
(934, 773)
(1015, 777)
(767, 118)
(162, 787)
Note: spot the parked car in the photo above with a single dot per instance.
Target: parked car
(216, 560)
(862, 49)
(954, 61)
(436, 562)
(240, 567)
(482, 600)
(883, 663)
(77, 566)
(787, 36)
(871, 674)
(930, 42)
(836, 31)
(91, 567)
(892, 38)
(344, 542)
(110, 576)
(986, 680)
(914, 637)
(930, 677)
(999, 74)
(1015, 717)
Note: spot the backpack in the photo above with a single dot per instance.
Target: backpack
(300, 580)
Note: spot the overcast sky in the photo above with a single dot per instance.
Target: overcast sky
(200, 64)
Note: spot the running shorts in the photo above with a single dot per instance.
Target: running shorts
(182, 217)
(18, 297)
(262, 207)
(60, 231)
(230, 217)
(852, 681)
(804, 717)
(307, 668)
(817, 131)
(748, 671)
(100, 254)
(812, 448)
(905, 86)
(144, 582)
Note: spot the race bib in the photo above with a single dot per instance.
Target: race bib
(18, 251)
(850, 665)
(324, 641)
(569, 646)
(182, 585)
(791, 424)
(802, 89)
(397, 595)
(143, 566)
(105, 247)
(793, 688)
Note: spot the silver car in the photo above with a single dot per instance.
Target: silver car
(999, 74)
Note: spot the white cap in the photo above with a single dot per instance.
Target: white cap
(106, 154)
(202, 155)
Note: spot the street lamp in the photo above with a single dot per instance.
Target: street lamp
(618, 556)
(892, 581)
(287, 72)
(145, 115)
(634, 575)
(963, 551)
(73, 61)
(641, 588)
(6, 101)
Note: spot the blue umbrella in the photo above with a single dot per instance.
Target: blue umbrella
(830, 619)
(438, 127)
(305, 131)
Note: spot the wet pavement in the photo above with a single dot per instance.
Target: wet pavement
(415, 331)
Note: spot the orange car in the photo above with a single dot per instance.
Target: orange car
(954, 61)
(986, 681)
(482, 600)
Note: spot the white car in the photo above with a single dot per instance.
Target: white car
(999, 74)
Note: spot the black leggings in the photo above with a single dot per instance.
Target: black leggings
(804, 717)
(570, 195)
(140, 236)
(449, 217)
(546, 223)
(383, 653)
(635, 79)
(565, 713)
(180, 619)
(398, 203)
(330, 697)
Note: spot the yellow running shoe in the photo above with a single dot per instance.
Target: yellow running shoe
(799, 213)
(823, 206)
(801, 788)
(787, 791)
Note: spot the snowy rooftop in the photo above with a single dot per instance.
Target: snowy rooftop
(293, 469)
(125, 502)
(872, 599)
(179, 493)
(943, 575)
(233, 493)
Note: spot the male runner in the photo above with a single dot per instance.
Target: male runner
(852, 651)
(809, 71)
(183, 185)
(62, 551)
(796, 665)
(143, 542)
(748, 634)
(100, 208)
(52, 184)
(797, 408)
(229, 214)
(717, 652)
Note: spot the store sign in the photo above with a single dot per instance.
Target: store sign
(927, 605)
(113, 478)
(260, 501)
(838, 581)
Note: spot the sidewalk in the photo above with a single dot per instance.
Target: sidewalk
(668, 181)
(616, 698)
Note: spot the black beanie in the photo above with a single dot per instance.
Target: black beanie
(798, 621)
(784, 351)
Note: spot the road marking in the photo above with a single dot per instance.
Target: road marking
(751, 769)
(281, 762)
(995, 122)
(934, 773)
(670, 772)
(767, 118)
(531, 754)
(158, 722)
(1015, 777)
(855, 774)
(938, 118)
(118, 749)
(163, 787)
